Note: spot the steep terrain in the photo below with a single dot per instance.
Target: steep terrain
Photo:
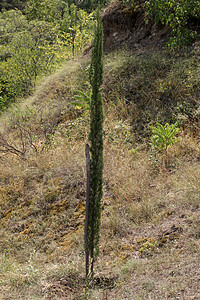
(150, 237)
(125, 27)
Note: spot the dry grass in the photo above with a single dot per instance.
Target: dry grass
(150, 233)
(43, 213)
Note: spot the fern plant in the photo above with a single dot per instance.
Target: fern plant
(83, 101)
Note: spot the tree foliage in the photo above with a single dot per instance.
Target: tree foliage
(25, 54)
(96, 143)
(32, 44)
(176, 14)
(11, 4)
(46, 10)
(173, 13)
(89, 5)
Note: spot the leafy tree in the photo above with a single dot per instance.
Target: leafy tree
(75, 24)
(11, 22)
(51, 10)
(96, 141)
(176, 14)
(11, 4)
(30, 53)
(32, 44)
(89, 5)
(46, 10)
(26, 53)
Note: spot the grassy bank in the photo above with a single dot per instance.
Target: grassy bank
(150, 215)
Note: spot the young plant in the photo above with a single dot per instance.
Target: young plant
(83, 101)
(93, 216)
(163, 137)
(148, 248)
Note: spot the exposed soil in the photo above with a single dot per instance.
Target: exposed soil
(126, 28)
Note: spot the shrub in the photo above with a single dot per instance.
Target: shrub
(173, 13)
(176, 14)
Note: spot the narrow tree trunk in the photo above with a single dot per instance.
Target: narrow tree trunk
(74, 32)
(87, 155)
(92, 267)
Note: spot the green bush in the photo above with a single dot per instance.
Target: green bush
(32, 45)
(26, 53)
(176, 14)
(173, 13)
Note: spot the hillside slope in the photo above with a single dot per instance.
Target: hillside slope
(125, 27)
(150, 237)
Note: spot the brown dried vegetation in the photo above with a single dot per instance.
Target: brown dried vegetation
(150, 237)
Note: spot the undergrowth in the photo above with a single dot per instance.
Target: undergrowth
(150, 214)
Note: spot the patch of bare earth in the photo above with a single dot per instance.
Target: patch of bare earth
(125, 27)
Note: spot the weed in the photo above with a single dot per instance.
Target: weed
(162, 138)
(148, 248)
